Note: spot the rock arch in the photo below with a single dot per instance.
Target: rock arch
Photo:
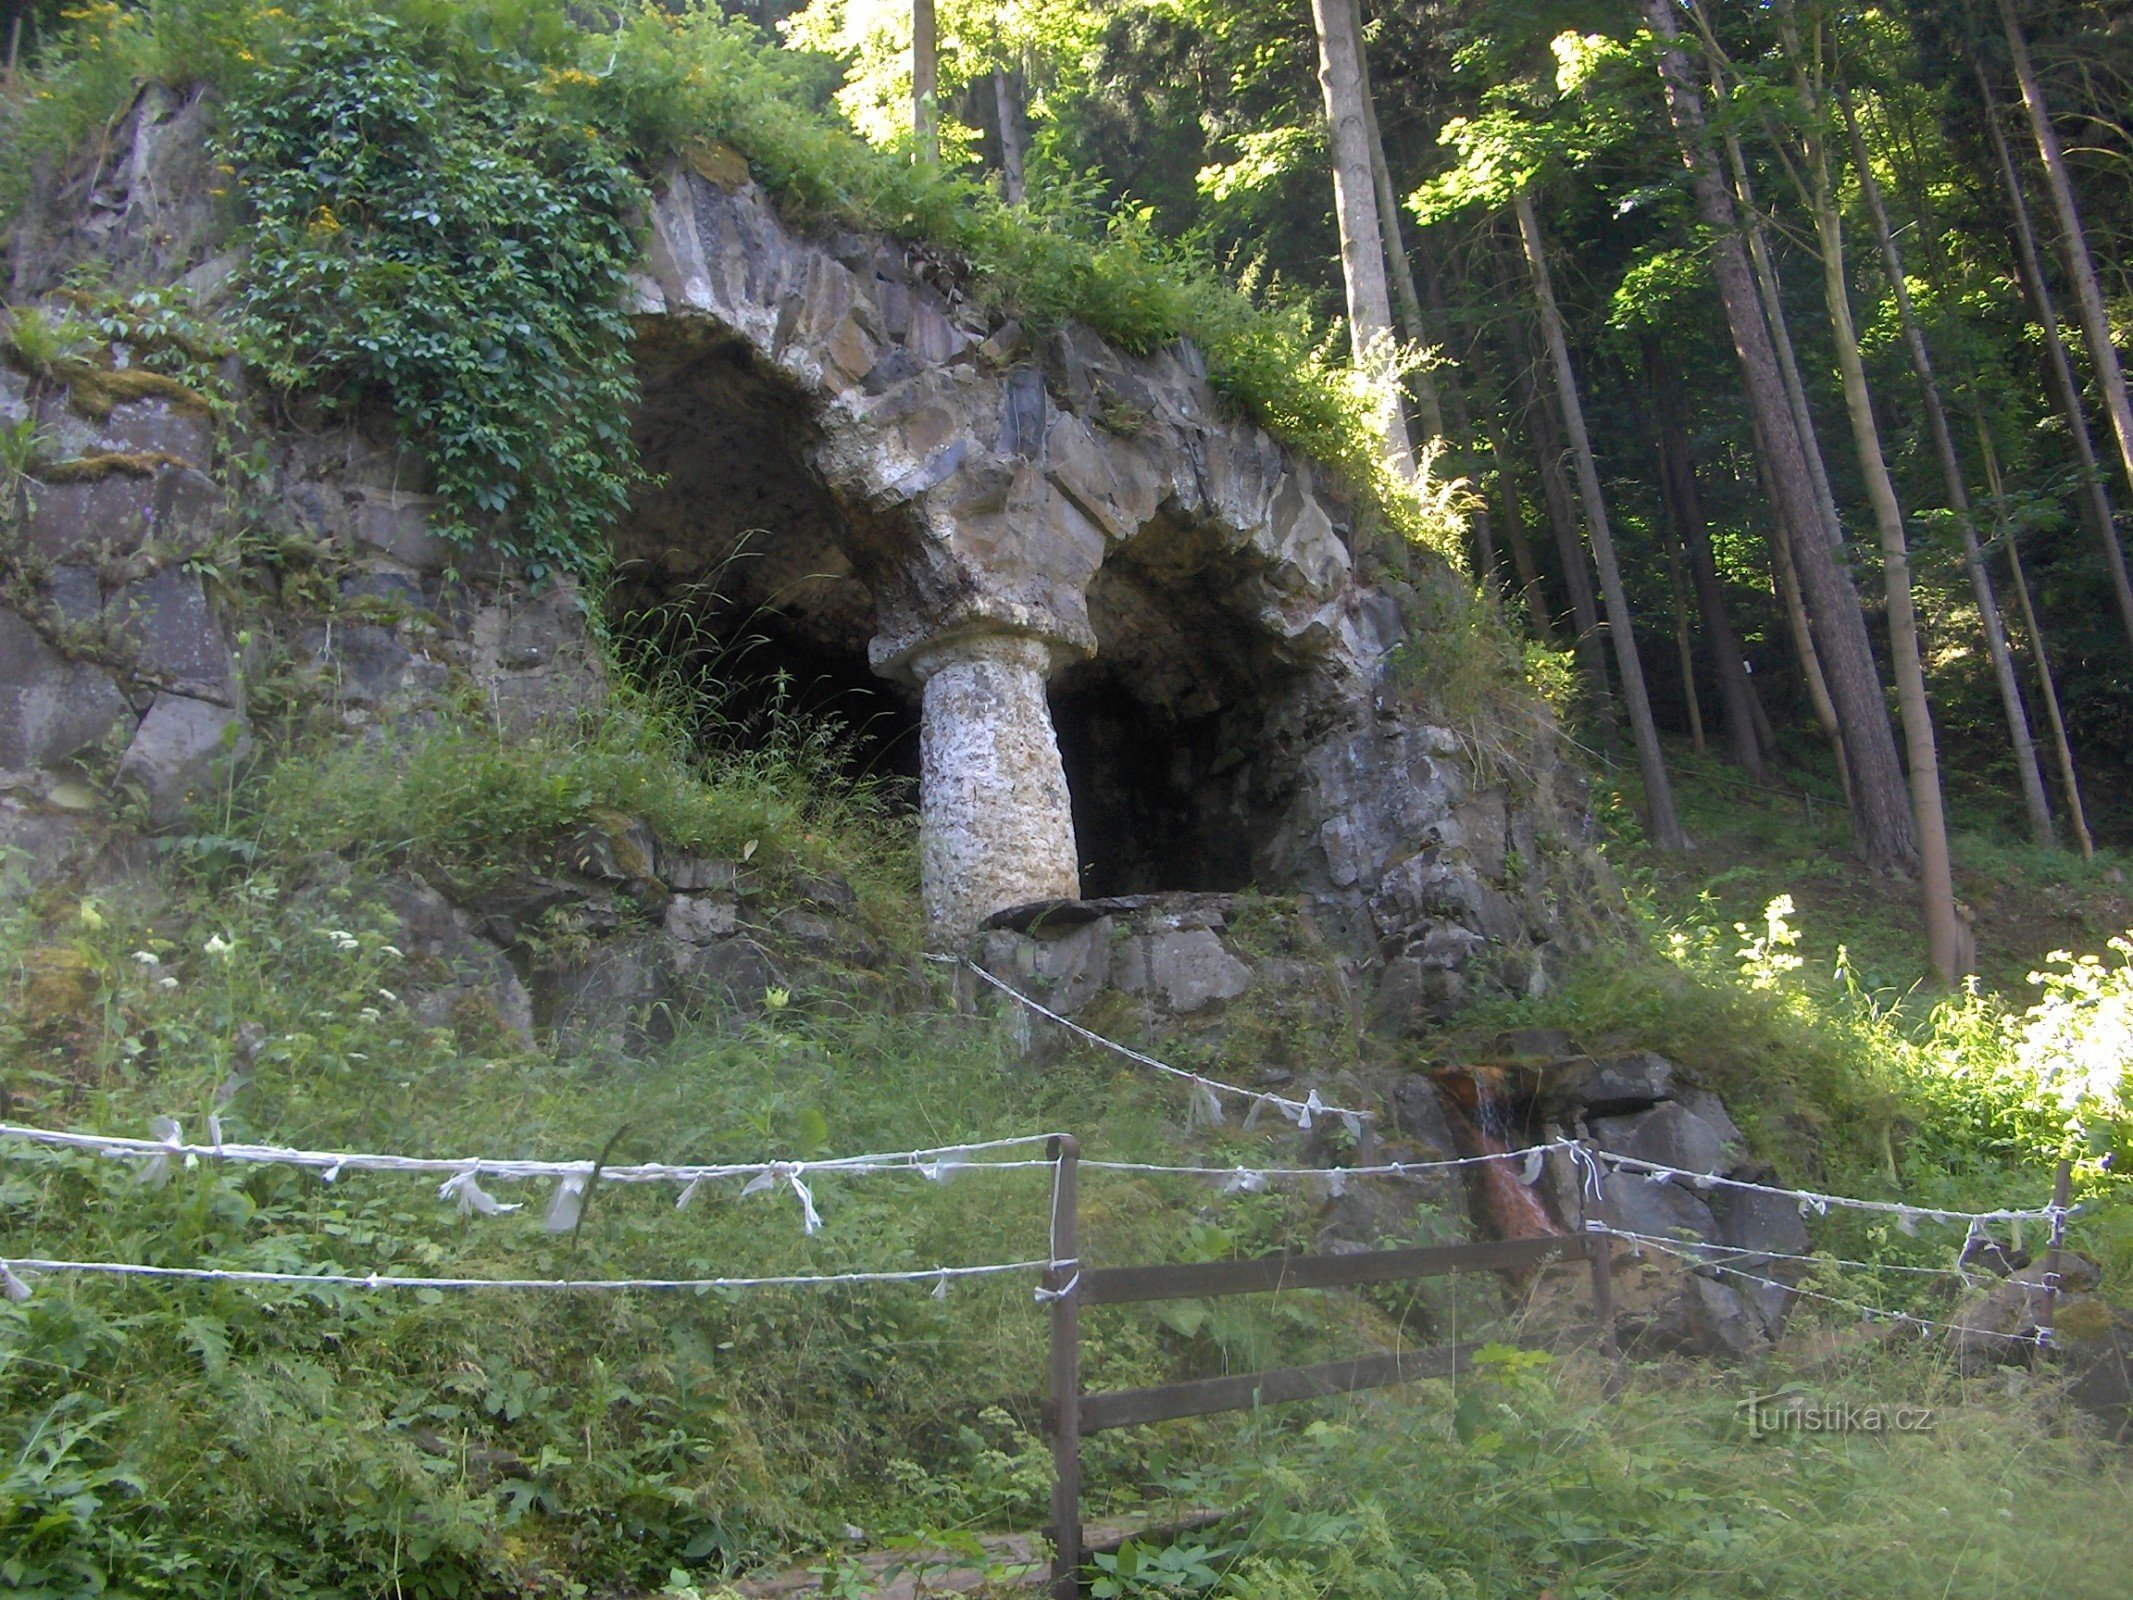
(1014, 511)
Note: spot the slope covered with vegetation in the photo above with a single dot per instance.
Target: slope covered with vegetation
(438, 202)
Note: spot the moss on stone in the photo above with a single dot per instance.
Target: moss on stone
(95, 391)
(100, 464)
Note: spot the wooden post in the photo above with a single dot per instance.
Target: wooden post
(1065, 1407)
(2062, 1193)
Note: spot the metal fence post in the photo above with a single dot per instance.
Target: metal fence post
(1065, 1407)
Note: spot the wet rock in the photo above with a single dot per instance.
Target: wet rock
(183, 750)
(1418, 1112)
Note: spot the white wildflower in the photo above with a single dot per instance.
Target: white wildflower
(147, 958)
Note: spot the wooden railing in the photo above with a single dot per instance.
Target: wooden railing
(1069, 1413)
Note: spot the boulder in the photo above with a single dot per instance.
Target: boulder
(1755, 1224)
(1705, 1318)
(50, 707)
(1669, 1135)
(174, 641)
(1605, 1086)
(1663, 1210)
(183, 749)
(1187, 969)
(700, 919)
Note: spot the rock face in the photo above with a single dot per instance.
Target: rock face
(1143, 644)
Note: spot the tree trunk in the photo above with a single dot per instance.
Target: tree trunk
(1678, 474)
(1356, 209)
(1007, 106)
(1771, 291)
(2062, 750)
(1951, 470)
(1658, 792)
(925, 81)
(1881, 813)
(1400, 271)
(2088, 294)
(1786, 572)
(1514, 527)
(1684, 646)
(1944, 933)
(1548, 449)
(2095, 498)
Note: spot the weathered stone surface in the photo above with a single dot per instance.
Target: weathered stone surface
(1999, 1326)
(174, 641)
(120, 512)
(997, 828)
(609, 1000)
(1662, 1210)
(1769, 1226)
(183, 749)
(699, 919)
(455, 976)
(1070, 495)
(734, 972)
(1191, 970)
(369, 664)
(1668, 1135)
(1608, 1086)
(1414, 993)
(50, 707)
(532, 656)
(1706, 1318)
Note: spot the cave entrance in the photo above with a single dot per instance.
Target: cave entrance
(733, 584)
(1167, 735)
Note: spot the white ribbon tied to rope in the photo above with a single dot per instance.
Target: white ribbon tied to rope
(788, 1172)
(465, 1187)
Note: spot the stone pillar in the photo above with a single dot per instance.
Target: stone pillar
(995, 827)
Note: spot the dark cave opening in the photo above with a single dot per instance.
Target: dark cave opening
(1159, 803)
(734, 589)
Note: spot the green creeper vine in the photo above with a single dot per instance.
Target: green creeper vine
(450, 240)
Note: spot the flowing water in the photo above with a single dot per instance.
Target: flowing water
(1515, 1209)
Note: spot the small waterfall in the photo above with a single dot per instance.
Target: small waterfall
(1487, 1125)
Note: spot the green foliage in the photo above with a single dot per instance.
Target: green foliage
(427, 225)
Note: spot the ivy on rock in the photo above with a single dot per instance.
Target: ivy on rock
(429, 223)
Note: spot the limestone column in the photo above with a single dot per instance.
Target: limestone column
(995, 826)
